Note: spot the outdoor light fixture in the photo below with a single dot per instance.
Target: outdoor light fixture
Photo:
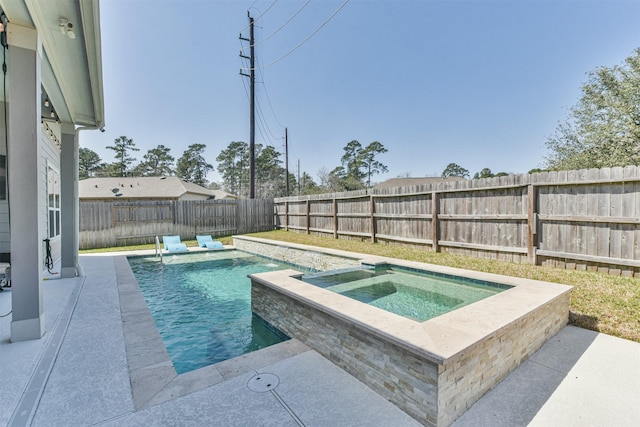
(66, 27)
(53, 114)
(46, 102)
(3, 29)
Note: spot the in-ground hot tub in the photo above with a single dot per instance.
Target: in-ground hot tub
(435, 369)
(416, 294)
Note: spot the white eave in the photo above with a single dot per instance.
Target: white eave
(71, 68)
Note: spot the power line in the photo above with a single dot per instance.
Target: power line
(261, 15)
(283, 25)
(263, 126)
(262, 116)
(269, 101)
(307, 39)
(262, 134)
(246, 90)
(264, 120)
(264, 85)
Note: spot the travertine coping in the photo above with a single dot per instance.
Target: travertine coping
(307, 248)
(153, 378)
(438, 339)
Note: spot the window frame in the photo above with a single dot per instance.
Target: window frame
(53, 202)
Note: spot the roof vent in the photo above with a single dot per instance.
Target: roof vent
(114, 190)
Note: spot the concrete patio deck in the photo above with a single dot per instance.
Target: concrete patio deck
(79, 374)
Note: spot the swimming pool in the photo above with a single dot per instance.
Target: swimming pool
(416, 295)
(201, 304)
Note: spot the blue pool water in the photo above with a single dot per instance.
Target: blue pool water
(201, 304)
(416, 294)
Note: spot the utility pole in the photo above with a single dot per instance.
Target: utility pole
(252, 107)
(286, 158)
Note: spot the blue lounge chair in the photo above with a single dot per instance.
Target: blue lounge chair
(208, 242)
(173, 244)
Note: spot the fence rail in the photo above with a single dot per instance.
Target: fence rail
(106, 223)
(585, 219)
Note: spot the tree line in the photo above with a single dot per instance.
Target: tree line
(601, 130)
(358, 165)
(158, 161)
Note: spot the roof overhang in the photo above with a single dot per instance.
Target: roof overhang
(71, 69)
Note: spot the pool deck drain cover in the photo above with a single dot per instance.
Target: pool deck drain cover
(263, 382)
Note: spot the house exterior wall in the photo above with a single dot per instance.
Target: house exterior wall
(5, 235)
(5, 241)
(192, 196)
(50, 157)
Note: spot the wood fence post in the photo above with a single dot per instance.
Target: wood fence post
(308, 216)
(372, 209)
(286, 215)
(237, 216)
(335, 218)
(435, 226)
(532, 223)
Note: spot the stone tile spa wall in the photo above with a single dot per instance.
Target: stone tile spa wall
(418, 375)
(296, 254)
(405, 379)
(466, 377)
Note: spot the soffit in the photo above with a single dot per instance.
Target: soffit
(71, 69)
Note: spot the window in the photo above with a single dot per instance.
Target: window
(53, 191)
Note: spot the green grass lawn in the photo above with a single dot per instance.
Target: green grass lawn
(600, 302)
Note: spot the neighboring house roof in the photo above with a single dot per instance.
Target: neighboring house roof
(170, 187)
(409, 182)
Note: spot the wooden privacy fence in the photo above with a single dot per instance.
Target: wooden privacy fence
(107, 223)
(585, 219)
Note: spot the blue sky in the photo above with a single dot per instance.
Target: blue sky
(477, 83)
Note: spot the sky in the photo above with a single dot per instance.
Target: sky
(482, 83)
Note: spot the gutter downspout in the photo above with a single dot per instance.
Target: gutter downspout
(100, 126)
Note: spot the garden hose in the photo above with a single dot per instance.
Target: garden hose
(48, 262)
